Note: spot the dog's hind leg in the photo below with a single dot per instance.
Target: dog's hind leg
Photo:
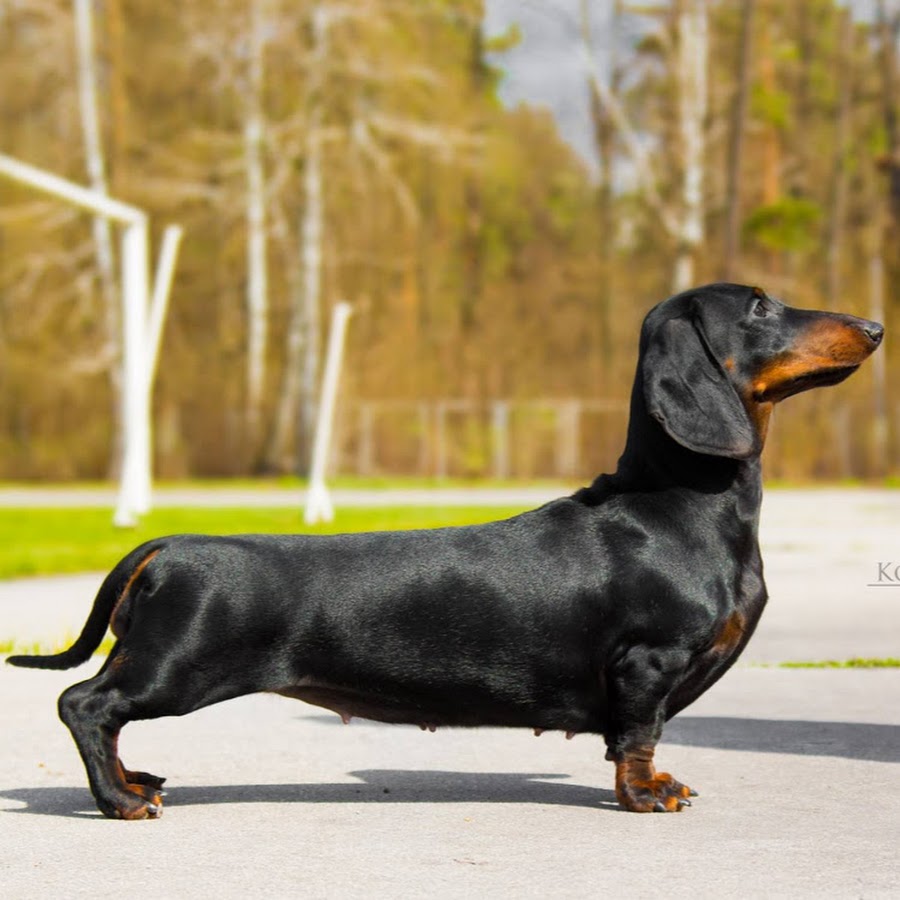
(95, 712)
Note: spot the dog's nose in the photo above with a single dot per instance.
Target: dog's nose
(874, 332)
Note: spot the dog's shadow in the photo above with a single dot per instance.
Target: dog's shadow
(847, 740)
(372, 786)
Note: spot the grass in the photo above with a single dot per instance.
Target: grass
(64, 541)
(854, 663)
(42, 648)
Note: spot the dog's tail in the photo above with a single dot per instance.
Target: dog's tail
(115, 588)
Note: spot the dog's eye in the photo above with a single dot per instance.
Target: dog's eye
(762, 308)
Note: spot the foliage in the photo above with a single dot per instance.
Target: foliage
(485, 259)
(787, 224)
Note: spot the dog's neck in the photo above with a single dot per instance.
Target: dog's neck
(653, 461)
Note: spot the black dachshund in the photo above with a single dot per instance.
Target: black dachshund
(605, 612)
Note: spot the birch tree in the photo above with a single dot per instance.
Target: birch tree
(736, 142)
(296, 410)
(257, 291)
(838, 211)
(102, 230)
(692, 55)
(361, 127)
(604, 144)
(889, 35)
(683, 220)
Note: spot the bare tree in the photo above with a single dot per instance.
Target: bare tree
(367, 132)
(692, 60)
(889, 32)
(103, 242)
(301, 366)
(604, 143)
(683, 219)
(257, 298)
(736, 143)
(834, 238)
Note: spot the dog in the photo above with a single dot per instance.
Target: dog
(605, 612)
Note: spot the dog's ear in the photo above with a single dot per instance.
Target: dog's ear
(691, 396)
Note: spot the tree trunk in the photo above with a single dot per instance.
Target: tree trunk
(311, 237)
(603, 133)
(888, 32)
(257, 275)
(102, 231)
(296, 411)
(473, 277)
(835, 237)
(693, 54)
(731, 250)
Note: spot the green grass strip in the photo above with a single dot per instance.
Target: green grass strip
(65, 541)
(43, 648)
(855, 663)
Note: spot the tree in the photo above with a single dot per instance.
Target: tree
(737, 132)
(683, 217)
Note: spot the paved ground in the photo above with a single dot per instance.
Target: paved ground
(797, 769)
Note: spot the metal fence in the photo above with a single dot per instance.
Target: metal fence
(495, 439)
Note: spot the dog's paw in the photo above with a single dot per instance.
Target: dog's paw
(661, 793)
(145, 809)
(138, 802)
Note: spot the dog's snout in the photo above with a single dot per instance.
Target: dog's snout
(873, 331)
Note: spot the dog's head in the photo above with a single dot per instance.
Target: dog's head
(715, 359)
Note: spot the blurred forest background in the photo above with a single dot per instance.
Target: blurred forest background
(326, 150)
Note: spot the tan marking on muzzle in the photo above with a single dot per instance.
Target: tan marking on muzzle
(826, 345)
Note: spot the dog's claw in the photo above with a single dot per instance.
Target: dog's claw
(659, 807)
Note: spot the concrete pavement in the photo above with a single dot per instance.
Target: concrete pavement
(796, 769)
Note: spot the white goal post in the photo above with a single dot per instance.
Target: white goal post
(319, 507)
(142, 322)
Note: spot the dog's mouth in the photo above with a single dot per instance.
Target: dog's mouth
(774, 393)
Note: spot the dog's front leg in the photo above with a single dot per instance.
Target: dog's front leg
(638, 689)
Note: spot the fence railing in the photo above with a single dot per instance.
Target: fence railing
(498, 439)
(578, 438)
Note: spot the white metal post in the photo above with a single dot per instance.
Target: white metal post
(319, 507)
(159, 300)
(68, 190)
(141, 331)
(134, 490)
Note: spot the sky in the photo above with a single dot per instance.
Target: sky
(546, 67)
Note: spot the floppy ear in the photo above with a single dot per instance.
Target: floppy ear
(689, 394)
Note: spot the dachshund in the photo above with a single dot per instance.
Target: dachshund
(605, 612)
